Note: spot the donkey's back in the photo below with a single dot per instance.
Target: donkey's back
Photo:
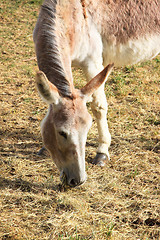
(130, 30)
(125, 32)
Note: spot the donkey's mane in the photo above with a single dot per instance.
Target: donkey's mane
(48, 55)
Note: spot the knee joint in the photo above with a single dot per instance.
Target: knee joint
(99, 112)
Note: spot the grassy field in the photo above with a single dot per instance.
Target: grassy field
(120, 201)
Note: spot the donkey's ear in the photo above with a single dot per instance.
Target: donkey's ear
(48, 91)
(96, 82)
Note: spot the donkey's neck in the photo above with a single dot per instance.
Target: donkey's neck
(52, 59)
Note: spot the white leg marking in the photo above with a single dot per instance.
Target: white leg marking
(99, 109)
(92, 65)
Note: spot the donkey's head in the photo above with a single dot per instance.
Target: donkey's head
(65, 127)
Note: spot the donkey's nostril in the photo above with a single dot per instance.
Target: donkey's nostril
(73, 183)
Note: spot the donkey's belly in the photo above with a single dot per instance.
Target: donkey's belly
(132, 52)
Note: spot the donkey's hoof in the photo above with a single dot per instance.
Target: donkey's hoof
(100, 159)
(41, 151)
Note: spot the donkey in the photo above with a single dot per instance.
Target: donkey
(89, 34)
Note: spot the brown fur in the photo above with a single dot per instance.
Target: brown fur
(125, 19)
(84, 8)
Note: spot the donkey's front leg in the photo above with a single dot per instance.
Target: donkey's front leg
(99, 109)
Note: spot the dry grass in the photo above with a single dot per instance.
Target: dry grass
(119, 201)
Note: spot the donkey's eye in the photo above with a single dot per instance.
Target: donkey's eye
(63, 134)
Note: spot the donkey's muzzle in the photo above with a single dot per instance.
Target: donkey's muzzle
(71, 181)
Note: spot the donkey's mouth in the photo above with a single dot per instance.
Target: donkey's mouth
(70, 182)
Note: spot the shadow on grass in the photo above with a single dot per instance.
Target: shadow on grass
(20, 134)
(26, 186)
(20, 142)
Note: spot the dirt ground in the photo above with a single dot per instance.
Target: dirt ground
(118, 201)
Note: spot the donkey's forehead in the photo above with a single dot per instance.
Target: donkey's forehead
(72, 111)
